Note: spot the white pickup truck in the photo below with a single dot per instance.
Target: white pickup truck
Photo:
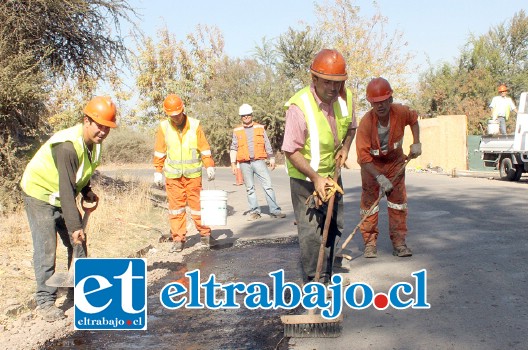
(509, 153)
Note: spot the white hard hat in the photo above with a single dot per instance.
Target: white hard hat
(245, 109)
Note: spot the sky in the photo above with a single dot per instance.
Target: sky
(435, 30)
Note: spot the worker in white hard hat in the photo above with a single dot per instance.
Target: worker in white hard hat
(251, 148)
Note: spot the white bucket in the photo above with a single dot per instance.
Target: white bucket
(493, 127)
(213, 205)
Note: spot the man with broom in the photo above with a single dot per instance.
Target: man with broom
(380, 154)
(59, 171)
(320, 127)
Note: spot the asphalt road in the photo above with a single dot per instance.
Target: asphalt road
(468, 233)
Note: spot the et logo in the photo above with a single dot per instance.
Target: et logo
(110, 294)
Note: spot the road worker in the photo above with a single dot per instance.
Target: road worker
(250, 148)
(180, 150)
(60, 171)
(320, 127)
(501, 107)
(380, 154)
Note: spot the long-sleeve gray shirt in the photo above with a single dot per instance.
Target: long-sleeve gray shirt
(67, 164)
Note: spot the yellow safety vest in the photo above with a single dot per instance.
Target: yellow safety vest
(183, 157)
(41, 177)
(319, 148)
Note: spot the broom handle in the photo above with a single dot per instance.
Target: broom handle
(326, 228)
(371, 209)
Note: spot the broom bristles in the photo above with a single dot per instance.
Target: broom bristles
(313, 330)
(311, 326)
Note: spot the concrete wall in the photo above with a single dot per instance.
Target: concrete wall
(444, 144)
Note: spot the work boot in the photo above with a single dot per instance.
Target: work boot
(50, 312)
(370, 251)
(402, 251)
(205, 240)
(253, 216)
(177, 247)
(278, 215)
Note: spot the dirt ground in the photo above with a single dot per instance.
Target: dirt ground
(28, 331)
(119, 211)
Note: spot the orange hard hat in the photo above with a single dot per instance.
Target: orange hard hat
(173, 105)
(378, 90)
(503, 88)
(330, 65)
(102, 110)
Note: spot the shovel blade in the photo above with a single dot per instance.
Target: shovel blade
(62, 279)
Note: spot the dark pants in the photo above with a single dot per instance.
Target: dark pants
(45, 222)
(310, 224)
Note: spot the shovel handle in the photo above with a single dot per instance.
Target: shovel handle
(326, 228)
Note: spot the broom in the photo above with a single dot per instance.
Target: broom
(312, 325)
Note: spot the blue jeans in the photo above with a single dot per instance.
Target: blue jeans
(502, 125)
(259, 169)
(45, 222)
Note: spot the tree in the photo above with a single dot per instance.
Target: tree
(297, 50)
(367, 47)
(42, 41)
(171, 66)
(497, 57)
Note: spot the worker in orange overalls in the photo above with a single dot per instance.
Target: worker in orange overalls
(380, 154)
(179, 151)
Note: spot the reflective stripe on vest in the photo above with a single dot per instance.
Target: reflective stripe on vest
(259, 144)
(41, 177)
(183, 158)
(319, 147)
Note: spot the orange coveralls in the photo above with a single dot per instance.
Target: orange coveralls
(183, 191)
(387, 163)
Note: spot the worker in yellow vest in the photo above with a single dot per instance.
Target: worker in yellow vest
(60, 170)
(180, 150)
(320, 126)
(250, 148)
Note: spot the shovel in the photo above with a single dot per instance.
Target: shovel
(340, 254)
(67, 279)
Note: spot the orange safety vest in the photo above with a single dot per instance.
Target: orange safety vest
(259, 147)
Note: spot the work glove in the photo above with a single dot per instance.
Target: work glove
(272, 163)
(385, 184)
(158, 179)
(210, 173)
(416, 150)
(315, 200)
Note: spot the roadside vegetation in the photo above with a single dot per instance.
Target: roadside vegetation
(55, 55)
(124, 223)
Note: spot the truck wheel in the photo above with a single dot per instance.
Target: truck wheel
(508, 171)
(518, 172)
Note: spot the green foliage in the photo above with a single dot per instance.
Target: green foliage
(369, 50)
(127, 146)
(498, 57)
(43, 41)
(297, 50)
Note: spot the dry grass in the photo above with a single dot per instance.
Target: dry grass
(124, 223)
